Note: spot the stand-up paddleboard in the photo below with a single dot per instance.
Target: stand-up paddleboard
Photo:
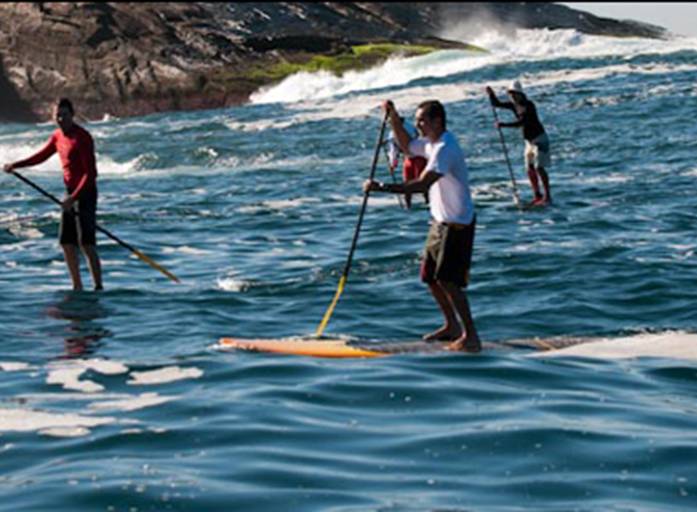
(338, 348)
(315, 348)
(671, 345)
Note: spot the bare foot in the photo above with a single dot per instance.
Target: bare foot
(445, 333)
(464, 344)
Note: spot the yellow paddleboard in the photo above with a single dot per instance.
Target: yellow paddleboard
(315, 348)
(334, 348)
(675, 345)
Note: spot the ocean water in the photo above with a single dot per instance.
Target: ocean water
(121, 400)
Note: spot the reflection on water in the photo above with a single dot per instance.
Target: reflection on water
(83, 332)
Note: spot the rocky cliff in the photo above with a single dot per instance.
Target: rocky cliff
(135, 58)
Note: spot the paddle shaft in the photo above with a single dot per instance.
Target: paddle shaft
(354, 242)
(364, 204)
(99, 228)
(508, 162)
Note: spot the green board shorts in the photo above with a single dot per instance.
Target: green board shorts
(80, 230)
(448, 253)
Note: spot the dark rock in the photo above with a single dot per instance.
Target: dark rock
(135, 58)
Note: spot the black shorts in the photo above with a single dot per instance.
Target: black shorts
(448, 253)
(80, 230)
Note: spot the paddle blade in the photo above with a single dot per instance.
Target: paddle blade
(330, 309)
(156, 266)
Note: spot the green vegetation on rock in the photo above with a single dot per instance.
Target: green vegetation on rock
(359, 57)
(273, 69)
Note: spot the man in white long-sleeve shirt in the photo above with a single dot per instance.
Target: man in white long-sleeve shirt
(448, 251)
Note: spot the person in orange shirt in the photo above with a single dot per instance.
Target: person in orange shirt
(75, 148)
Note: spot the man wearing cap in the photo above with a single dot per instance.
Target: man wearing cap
(448, 252)
(537, 157)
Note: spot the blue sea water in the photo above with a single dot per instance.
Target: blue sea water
(121, 401)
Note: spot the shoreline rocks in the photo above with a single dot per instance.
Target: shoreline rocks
(127, 59)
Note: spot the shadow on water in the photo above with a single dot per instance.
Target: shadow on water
(83, 331)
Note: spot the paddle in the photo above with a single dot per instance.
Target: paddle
(508, 162)
(135, 251)
(347, 267)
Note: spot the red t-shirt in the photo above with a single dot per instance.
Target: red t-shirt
(413, 167)
(76, 152)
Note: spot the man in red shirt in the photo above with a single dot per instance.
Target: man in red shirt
(75, 148)
(413, 165)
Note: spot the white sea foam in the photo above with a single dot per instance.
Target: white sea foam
(68, 373)
(366, 104)
(610, 178)
(395, 71)
(185, 249)
(62, 396)
(12, 151)
(493, 190)
(301, 262)
(164, 375)
(279, 205)
(107, 166)
(382, 201)
(113, 263)
(25, 232)
(28, 420)
(550, 78)
(104, 367)
(545, 44)
(132, 403)
(65, 431)
(243, 126)
(504, 47)
(11, 366)
(683, 251)
(69, 378)
(300, 92)
(290, 204)
(540, 245)
(14, 218)
(232, 284)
